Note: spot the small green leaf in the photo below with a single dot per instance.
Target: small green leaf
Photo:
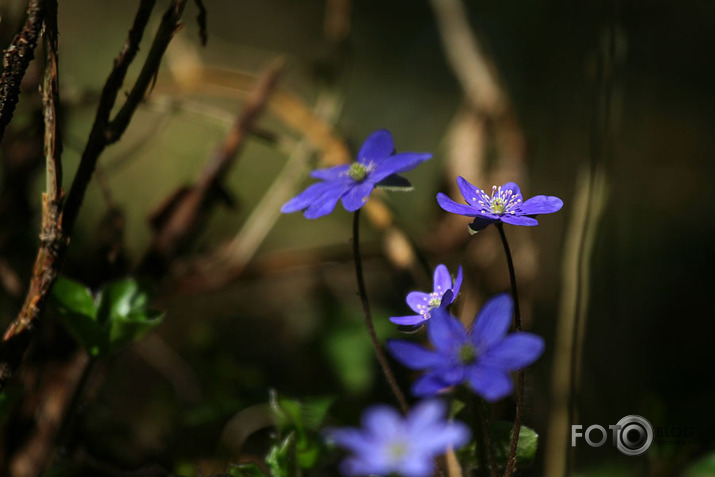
(246, 470)
(501, 437)
(119, 315)
(281, 457)
(120, 299)
(126, 329)
(500, 433)
(69, 296)
(77, 312)
(302, 419)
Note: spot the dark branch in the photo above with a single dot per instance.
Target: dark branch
(201, 20)
(58, 221)
(16, 60)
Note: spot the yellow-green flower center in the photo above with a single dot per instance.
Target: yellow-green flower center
(397, 451)
(435, 302)
(358, 171)
(501, 202)
(467, 354)
(498, 205)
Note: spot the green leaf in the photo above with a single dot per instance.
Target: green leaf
(246, 470)
(302, 420)
(127, 329)
(501, 432)
(120, 299)
(281, 457)
(119, 315)
(71, 297)
(77, 312)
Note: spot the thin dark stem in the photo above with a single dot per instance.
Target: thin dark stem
(483, 414)
(512, 276)
(511, 461)
(70, 415)
(368, 317)
(480, 439)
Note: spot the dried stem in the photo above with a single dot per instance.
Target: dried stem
(57, 221)
(16, 60)
(511, 461)
(182, 216)
(368, 317)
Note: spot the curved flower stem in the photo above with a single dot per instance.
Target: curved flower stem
(368, 316)
(511, 461)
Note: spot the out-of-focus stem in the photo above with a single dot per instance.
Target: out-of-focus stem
(368, 317)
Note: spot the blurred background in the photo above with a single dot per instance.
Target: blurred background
(607, 105)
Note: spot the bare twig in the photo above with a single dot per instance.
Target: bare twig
(184, 215)
(58, 221)
(201, 20)
(16, 60)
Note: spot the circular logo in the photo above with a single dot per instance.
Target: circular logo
(634, 435)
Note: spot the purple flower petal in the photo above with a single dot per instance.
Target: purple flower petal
(408, 320)
(307, 197)
(376, 147)
(418, 465)
(413, 355)
(469, 192)
(428, 384)
(512, 187)
(357, 196)
(492, 322)
(397, 164)
(519, 220)
(480, 223)
(382, 419)
(426, 414)
(451, 206)
(442, 280)
(332, 173)
(541, 204)
(452, 434)
(326, 203)
(445, 331)
(516, 351)
(418, 301)
(457, 283)
(350, 438)
(490, 383)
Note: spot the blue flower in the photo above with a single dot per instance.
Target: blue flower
(482, 357)
(422, 303)
(389, 443)
(377, 165)
(505, 204)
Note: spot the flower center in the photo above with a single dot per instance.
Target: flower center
(467, 354)
(397, 451)
(434, 302)
(500, 202)
(358, 171)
